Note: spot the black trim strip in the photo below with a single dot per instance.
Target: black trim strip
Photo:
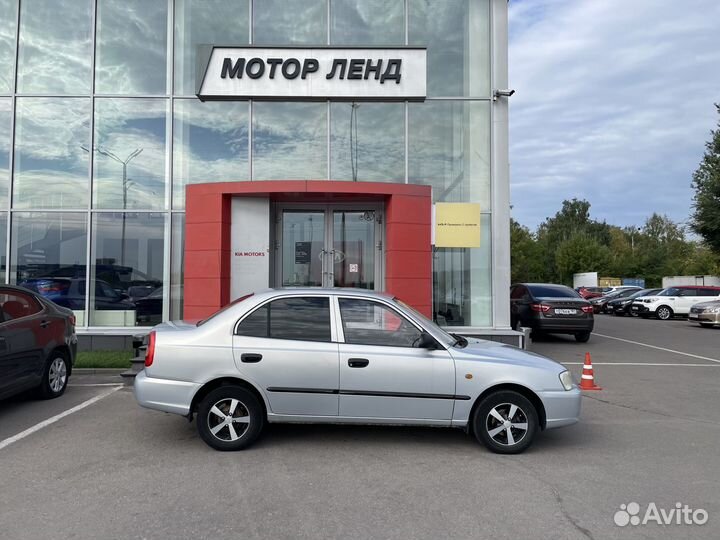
(367, 393)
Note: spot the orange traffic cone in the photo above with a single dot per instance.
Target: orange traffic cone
(587, 382)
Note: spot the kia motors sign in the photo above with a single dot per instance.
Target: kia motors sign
(350, 74)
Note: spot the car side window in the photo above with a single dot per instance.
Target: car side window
(370, 323)
(297, 318)
(16, 304)
(687, 292)
(709, 292)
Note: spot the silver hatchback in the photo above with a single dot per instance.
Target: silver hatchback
(347, 356)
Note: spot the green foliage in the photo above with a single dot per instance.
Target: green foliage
(103, 359)
(525, 261)
(580, 253)
(706, 203)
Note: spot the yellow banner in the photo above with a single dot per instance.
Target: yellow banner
(457, 225)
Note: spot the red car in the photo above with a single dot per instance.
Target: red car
(592, 292)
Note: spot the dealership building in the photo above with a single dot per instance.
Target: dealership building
(159, 158)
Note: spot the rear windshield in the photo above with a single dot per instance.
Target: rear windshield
(222, 310)
(552, 291)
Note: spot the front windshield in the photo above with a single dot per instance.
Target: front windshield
(449, 339)
(672, 291)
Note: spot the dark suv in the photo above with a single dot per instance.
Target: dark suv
(556, 309)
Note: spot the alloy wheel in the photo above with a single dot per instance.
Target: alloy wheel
(228, 419)
(57, 375)
(506, 424)
(663, 313)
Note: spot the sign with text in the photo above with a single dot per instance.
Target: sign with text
(352, 74)
(250, 244)
(457, 225)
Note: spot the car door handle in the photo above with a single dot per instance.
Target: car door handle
(358, 362)
(44, 324)
(250, 358)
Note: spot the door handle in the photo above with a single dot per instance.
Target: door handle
(358, 362)
(250, 358)
(44, 324)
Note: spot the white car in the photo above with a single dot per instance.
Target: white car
(673, 301)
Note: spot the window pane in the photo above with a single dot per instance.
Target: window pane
(5, 120)
(130, 153)
(8, 16)
(55, 47)
(49, 257)
(51, 152)
(462, 282)
(211, 144)
(255, 324)
(367, 22)
(367, 142)
(289, 141)
(127, 255)
(449, 149)
(177, 262)
(205, 22)
(303, 319)
(457, 36)
(290, 22)
(131, 45)
(369, 323)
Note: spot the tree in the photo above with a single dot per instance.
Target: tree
(580, 253)
(706, 182)
(525, 262)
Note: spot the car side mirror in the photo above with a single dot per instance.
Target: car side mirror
(427, 342)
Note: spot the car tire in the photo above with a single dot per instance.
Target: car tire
(582, 337)
(512, 438)
(664, 313)
(706, 325)
(55, 376)
(230, 402)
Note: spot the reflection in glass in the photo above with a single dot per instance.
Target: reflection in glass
(290, 22)
(202, 22)
(367, 22)
(8, 16)
(457, 36)
(129, 153)
(462, 282)
(289, 141)
(303, 243)
(55, 47)
(131, 44)
(449, 149)
(51, 152)
(211, 144)
(367, 142)
(49, 256)
(3, 244)
(354, 249)
(127, 256)
(5, 120)
(177, 263)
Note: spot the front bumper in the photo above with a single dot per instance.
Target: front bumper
(562, 407)
(164, 394)
(639, 309)
(712, 318)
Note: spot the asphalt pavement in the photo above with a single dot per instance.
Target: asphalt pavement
(114, 470)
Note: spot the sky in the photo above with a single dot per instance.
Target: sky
(613, 104)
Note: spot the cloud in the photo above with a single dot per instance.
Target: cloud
(614, 103)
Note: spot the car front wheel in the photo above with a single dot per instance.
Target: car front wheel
(55, 377)
(230, 418)
(664, 313)
(505, 422)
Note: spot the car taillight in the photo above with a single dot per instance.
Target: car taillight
(150, 353)
(587, 309)
(540, 307)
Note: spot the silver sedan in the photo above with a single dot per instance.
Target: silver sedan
(347, 356)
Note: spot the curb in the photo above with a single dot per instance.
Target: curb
(98, 371)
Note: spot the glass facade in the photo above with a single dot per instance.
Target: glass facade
(100, 132)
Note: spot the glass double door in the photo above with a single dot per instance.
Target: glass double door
(329, 246)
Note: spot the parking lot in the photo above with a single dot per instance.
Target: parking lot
(113, 470)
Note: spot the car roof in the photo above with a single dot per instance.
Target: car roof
(344, 291)
(711, 287)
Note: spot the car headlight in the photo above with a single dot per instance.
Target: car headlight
(713, 310)
(566, 380)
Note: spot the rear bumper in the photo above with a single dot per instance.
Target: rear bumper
(164, 394)
(562, 407)
(567, 326)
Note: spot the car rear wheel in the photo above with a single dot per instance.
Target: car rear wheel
(664, 313)
(55, 377)
(230, 418)
(582, 337)
(506, 422)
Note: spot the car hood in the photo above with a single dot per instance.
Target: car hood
(711, 303)
(491, 351)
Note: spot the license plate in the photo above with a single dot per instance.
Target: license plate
(635, 308)
(693, 316)
(566, 311)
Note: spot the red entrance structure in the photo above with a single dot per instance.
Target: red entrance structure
(408, 253)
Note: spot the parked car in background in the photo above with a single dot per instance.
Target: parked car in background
(37, 344)
(706, 313)
(347, 356)
(148, 310)
(621, 306)
(600, 304)
(592, 292)
(70, 293)
(555, 309)
(674, 301)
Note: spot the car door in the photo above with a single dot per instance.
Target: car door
(520, 306)
(383, 372)
(685, 300)
(288, 347)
